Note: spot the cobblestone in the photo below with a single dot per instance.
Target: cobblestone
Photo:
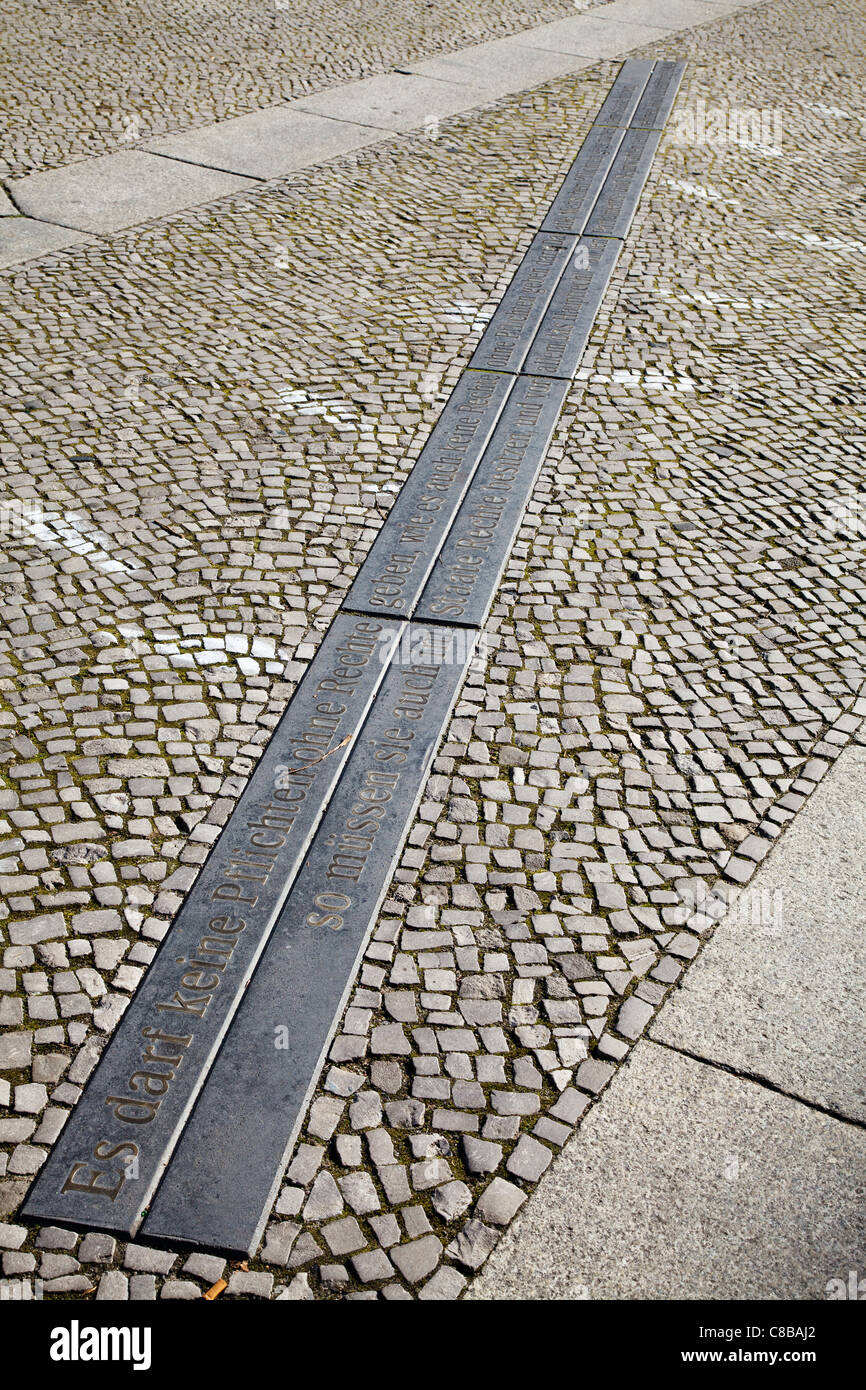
(668, 663)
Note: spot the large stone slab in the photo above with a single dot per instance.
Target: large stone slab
(671, 14)
(778, 991)
(396, 568)
(393, 101)
(502, 66)
(510, 332)
(659, 96)
(618, 200)
(219, 1187)
(104, 1168)
(621, 101)
(119, 190)
(594, 35)
(566, 326)
(23, 239)
(582, 184)
(467, 571)
(267, 144)
(686, 1182)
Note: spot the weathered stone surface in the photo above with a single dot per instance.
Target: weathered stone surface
(417, 1259)
(499, 1201)
(472, 1246)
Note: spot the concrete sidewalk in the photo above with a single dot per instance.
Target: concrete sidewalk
(727, 1160)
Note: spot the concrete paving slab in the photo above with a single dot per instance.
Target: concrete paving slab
(119, 190)
(501, 67)
(393, 101)
(594, 37)
(778, 991)
(670, 14)
(22, 239)
(267, 144)
(688, 1182)
(7, 207)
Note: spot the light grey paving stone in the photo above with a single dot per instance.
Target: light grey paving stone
(7, 207)
(395, 1293)
(324, 1200)
(633, 1017)
(530, 1159)
(277, 1247)
(481, 1156)
(15, 1051)
(97, 1249)
(56, 1238)
(297, 1291)
(360, 1192)
(499, 1201)
(416, 1260)
(344, 1237)
(119, 190)
(206, 1267)
(593, 1075)
(148, 1261)
(67, 1283)
(267, 144)
(451, 1200)
(180, 1289)
(717, 1162)
(774, 991)
(142, 1288)
(594, 36)
(447, 1283)
(24, 239)
(307, 1248)
(494, 69)
(250, 1285)
(391, 101)
(473, 1245)
(55, 1266)
(372, 1265)
(113, 1287)
(12, 1237)
(668, 14)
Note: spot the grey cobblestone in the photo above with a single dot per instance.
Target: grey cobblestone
(669, 660)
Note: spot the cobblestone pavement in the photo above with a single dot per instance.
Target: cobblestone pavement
(205, 423)
(82, 77)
